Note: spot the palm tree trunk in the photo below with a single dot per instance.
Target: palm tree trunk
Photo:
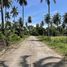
(22, 17)
(49, 19)
(2, 16)
(23, 13)
(5, 14)
(14, 23)
(14, 19)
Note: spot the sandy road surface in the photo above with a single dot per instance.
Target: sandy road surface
(31, 53)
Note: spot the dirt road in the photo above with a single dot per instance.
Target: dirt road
(31, 53)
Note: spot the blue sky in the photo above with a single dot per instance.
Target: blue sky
(37, 10)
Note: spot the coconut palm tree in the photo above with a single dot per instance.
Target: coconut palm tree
(57, 19)
(48, 4)
(2, 16)
(7, 5)
(22, 3)
(14, 12)
(20, 27)
(3, 3)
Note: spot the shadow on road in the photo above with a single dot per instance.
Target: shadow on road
(39, 63)
(2, 64)
(24, 62)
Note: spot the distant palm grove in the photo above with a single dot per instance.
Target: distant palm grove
(15, 30)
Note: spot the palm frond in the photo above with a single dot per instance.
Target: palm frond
(54, 1)
(47, 1)
(22, 2)
(41, 1)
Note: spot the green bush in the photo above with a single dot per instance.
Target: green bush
(14, 38)
(1, 36)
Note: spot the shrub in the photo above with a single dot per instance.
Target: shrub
(1, 36)
(14, 38)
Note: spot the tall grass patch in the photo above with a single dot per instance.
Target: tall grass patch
(59, 43)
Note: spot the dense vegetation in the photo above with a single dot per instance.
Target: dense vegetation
(11, 31)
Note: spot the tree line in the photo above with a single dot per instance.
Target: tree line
(57, 26)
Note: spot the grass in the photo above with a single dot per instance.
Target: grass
(58, 43)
